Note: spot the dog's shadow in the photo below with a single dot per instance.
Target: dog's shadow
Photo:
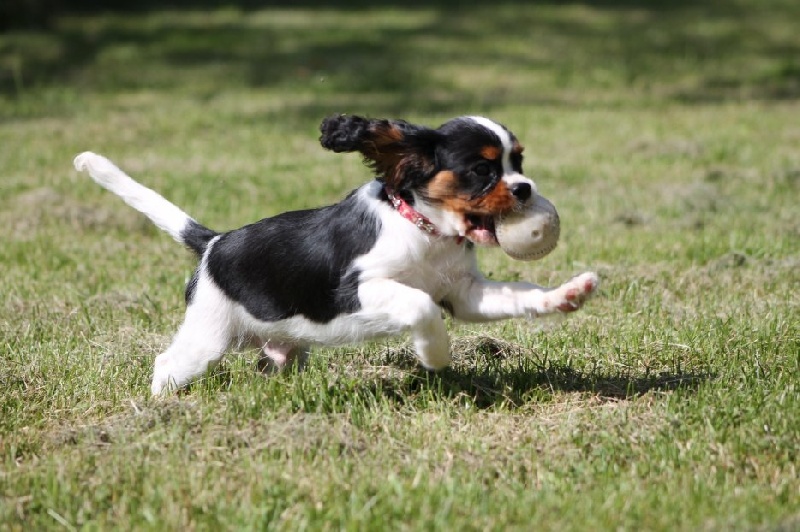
(489, 373)
(516, 387)
(486, 373)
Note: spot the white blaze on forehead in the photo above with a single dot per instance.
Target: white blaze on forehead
(497, 129)
(504, 136)
(509, 174)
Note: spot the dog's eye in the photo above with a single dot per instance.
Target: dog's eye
(482, 170)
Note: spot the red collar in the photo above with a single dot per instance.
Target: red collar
(409, 213)
(415, 217)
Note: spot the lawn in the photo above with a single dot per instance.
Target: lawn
(666, 133)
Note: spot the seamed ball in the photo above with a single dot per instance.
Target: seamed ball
(531, 233)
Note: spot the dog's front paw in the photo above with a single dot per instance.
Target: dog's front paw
(571, 295)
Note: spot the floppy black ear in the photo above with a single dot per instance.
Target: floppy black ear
(395, 149)
(342, 133)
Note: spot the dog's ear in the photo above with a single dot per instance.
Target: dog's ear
(400, 153)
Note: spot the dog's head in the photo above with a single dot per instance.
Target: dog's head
(461, 176)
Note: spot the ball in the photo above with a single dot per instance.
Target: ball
(529, 233)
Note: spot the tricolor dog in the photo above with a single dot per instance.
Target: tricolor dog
(387, 260)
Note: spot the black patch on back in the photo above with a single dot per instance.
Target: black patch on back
(296, 263)
(196, 236)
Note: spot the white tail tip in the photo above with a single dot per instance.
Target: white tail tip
(101, 169)
(81, 162)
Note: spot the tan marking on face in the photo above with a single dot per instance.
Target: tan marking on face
(517, 147)
(443, 190)
(491, 152)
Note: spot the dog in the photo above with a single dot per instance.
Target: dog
(391, 258)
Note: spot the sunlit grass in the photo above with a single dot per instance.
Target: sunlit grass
(666, 136)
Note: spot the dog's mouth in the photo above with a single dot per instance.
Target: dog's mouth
(481, 229)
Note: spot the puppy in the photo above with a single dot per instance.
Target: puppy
(386, 260)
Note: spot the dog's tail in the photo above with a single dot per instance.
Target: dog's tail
(161, 212)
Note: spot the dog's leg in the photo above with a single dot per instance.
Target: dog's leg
(195, 349)
(277, 356)
(391, 307)
(200, 343)
(192, 353)
(479, 300)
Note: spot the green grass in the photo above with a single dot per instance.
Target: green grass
(666, 135)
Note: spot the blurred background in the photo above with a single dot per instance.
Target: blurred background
(649, 116)
(410, 55)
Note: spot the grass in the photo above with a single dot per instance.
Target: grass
(666, 135)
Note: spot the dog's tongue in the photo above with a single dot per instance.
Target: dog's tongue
(479, 235)
(481, 230)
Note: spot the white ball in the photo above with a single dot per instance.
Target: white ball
(530, 233)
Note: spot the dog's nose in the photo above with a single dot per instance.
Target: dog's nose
(521, 191)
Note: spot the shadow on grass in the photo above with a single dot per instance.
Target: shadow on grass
(492, 373)
(517, 387)
(487, 389)
(487, 373)
(400, 53)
